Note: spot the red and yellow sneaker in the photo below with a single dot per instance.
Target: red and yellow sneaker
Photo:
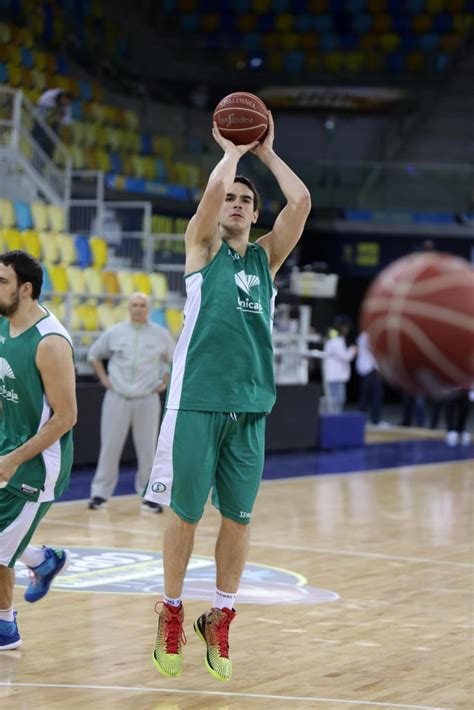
(213, 628)
(170, 638)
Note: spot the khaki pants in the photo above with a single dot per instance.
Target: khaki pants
(142, 414)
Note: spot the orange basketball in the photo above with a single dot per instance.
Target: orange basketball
(419, 316)
(241, 118)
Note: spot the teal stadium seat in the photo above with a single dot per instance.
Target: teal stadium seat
(23, 216)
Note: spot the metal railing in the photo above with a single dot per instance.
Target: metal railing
(20, 124)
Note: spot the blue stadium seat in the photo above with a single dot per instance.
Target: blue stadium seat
(158, 316)
(362, 23)
(27, 58)
(443, 22)
(84, 254)
(47, 285)
(4, 76)
(23, 216)
(116, 162)
(396, 62)
(429, 41)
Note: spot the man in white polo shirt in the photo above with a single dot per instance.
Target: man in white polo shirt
(138, 353)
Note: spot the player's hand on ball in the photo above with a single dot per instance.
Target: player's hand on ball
(227, 145)
(266, 146)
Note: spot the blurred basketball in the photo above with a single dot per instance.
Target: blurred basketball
(419, 316)
(241, 118)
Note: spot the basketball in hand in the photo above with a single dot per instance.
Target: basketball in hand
(419, 316)
(241, 118)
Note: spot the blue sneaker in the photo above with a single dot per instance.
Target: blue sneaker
(9, 636)
(41, 577)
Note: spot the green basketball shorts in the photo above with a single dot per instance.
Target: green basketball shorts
(200, 451)
(19, 519)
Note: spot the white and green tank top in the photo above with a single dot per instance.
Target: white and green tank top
(24, 409)
(223, 361)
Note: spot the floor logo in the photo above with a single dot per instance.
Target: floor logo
(121, 571)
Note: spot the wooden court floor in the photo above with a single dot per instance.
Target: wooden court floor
(395, 546)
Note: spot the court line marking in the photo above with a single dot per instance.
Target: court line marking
(221, 693)
(276, 546)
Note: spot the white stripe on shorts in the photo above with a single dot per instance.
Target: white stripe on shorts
(12, 536)
(161, 477)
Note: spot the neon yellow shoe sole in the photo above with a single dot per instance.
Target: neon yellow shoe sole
(224, 664)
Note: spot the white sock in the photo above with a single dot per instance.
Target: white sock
(172, 602)
(223, 600)
(7, 614)
(33, 556)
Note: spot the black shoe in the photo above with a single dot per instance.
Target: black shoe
(97, 503)
(151, 507)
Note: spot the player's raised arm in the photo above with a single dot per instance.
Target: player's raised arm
(202, 229)
(289, 224)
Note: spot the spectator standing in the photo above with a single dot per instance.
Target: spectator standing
(337, 364)
(371, 384)
(54, 107)
(138, 353)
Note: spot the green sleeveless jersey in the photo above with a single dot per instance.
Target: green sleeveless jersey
(223, 361)
(24, 409)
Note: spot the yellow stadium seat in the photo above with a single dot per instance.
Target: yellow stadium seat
(110, 282)
(284, 22)
(160, 224)
(122, 312)
(463, 23)
(5, 33)
(389, 41)
(57, 218)
(93, 281)
(78, 157)
(58, 309)
(87, 315)
(131, 119)
(58, 276)
(40, 216)
(142, 282)
(7, 213)
(49, 246)
(67, 249)
(76, 280)
(126, 283)
(107, 315)
(78, 129)
(31, 242)
(12, 239)
(159, 286)
(99, 251)
(174, 319)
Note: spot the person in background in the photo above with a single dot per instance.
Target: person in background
(38, 410)
(138, 353)
(337, 364)
(457, 414)
(54, 107)
(371, 383)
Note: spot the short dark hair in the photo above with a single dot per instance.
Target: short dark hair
(27, 269)
(245, 181)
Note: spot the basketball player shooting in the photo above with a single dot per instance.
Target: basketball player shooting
(221, 389)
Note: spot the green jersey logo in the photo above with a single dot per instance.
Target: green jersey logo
(6, 371)
(245, 282)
